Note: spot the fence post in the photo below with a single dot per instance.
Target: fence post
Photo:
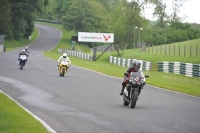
(190, 50)
(157, 49)
(174, 50)
(184, 51)
(169, 50)
(161, 49)
(196, 50)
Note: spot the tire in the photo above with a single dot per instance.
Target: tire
(125, 102)
(133, 99)
(63, 71)
(21, 65)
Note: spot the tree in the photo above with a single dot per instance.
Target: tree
(23, 14)
(160, 12)
(85, 16)
(5, 16)
(176, 5)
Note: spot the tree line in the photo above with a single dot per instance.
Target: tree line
(17, 17)
(124, 18)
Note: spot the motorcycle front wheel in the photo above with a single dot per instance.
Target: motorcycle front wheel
(21, 65)
(63, 71)
(134, 97)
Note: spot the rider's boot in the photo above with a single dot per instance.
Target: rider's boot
(122, 90)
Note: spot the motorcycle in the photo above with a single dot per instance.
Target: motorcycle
(22, 61)
(63, 67)
(133, 89)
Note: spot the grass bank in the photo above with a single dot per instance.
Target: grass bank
(169, 81)
(13, 119)
(14, 44)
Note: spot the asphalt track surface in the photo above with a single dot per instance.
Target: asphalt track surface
(85, 101)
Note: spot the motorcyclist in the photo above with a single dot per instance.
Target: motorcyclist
(27, 50)
(134, 68)
(64, 57)
(22, 53)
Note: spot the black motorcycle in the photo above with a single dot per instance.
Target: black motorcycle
(133, 88)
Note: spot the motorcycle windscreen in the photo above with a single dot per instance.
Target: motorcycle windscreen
(136, 74)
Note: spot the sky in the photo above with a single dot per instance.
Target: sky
(191, 9)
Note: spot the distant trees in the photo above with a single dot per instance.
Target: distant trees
(116, 16)
(17, 17)
(121, 17)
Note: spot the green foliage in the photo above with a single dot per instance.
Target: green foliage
(175, 32)
(85, 16)
(121, 17)
(17, 17)
(14, 44)
(5, 16)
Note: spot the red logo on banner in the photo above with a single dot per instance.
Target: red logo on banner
(106, 37)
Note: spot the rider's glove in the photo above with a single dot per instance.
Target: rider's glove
(144, 83)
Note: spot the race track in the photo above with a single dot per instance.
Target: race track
(88, 102)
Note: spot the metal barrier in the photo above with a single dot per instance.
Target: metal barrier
(145, 65)
(2, 46)
(76, 54)
(187, 69)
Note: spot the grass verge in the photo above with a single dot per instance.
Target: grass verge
(13, 119)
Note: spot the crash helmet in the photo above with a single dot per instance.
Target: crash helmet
(23, 50)
(26, 48)
(64, 55)
(136, 65)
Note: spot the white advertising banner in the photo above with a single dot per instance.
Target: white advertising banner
(95, 37)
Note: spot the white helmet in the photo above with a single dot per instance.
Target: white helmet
(64, 55)
(23, 50)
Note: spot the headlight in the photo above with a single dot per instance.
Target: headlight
(139, 83)
(133, 83)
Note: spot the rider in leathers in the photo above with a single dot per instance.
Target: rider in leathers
(134, 68)
(64, 56)
(22, 53)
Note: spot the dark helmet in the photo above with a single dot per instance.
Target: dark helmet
(136, 65)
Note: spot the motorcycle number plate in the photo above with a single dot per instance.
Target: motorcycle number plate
(23, 57)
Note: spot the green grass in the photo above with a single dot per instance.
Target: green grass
(13, 44)
(153, 58)
(13, 119)
(169, 81)
(189, 48)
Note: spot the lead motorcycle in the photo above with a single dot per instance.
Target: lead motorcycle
(63, 67)
(133, 89)
(22, 61)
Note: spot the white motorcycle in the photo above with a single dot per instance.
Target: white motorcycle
(22, 61)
